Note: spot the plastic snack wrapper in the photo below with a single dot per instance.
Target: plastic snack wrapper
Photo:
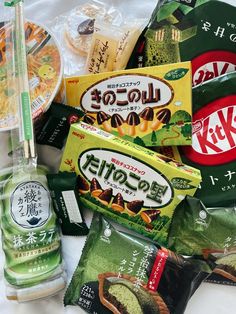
(121, 273)
(63, 188)
(198, 230)
(30, 238)
(74, 30)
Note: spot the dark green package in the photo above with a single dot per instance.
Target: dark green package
(181, 30)
(121, 273)
(62, 187)
(213, 149)
(198, 230)
(54, 127)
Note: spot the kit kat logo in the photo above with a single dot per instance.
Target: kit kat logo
(212, 64)
(214, 136)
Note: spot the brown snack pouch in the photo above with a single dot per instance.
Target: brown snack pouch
(65, 201)
(121, 273)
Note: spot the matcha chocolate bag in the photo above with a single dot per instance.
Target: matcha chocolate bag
(198, 230)
(213, 149)
(202, 31)
(121, 273)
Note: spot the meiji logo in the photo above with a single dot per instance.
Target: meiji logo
(212, 64)
(214, 136)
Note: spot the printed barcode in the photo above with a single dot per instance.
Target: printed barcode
(38, 102)
(72, 206)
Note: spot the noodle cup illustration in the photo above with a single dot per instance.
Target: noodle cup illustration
(134, 207)
(105, 196)
(95, 188)
(89, 119)
(118, 203)
(162, 117)
(117, 122)
(147, 115)
(102, 119)
(132, 120)
(82, 185)
(149, 216)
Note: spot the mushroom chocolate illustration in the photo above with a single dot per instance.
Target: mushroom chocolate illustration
(162, 116)
(82, 185)
(118, 203)
(105, 196)
(134, 207)
(88, 119)
(102, 119)
(132, 120)
(95, 188)
(149, 216)
(117, 122)
(147, 115)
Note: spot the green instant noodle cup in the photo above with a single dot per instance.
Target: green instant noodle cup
(31, 242)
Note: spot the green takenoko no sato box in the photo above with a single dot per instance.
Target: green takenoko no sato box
(128, 183)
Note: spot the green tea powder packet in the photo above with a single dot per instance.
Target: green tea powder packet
(65, 200)
(121, 273)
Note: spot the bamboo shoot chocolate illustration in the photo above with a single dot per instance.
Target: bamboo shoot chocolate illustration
(102, 119)
(162, 116)
(105, 196)
(147, 115)
(127, 182)
(117, 122)
(132, 120)
(95, 187)
(82, 185)
(134, 207)
(134, 103)
(150, 215)
(118, 203)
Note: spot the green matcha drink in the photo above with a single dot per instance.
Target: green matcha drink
(31, 240)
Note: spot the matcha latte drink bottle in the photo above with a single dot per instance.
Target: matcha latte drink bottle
(31, 241)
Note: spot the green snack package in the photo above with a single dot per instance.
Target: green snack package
(121, 273)
(126, 182)
(65, 200)
(198, 230)
(54, 127)
(30, 238)
(181, 30)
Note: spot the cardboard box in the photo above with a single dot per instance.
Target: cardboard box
(126, 182)
(150, 106)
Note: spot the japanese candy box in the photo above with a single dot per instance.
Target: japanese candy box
(150, 106)
(202, 31)
(127, 182)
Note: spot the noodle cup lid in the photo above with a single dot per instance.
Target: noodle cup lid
(44, 71)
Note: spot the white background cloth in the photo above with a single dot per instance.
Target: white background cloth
(209, 298)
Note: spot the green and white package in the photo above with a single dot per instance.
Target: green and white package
(31, 242)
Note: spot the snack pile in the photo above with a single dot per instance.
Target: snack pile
(144, 122)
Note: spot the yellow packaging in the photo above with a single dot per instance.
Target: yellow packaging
(149, 106)
(126, 182)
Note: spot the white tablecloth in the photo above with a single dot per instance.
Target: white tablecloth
(209, 298)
